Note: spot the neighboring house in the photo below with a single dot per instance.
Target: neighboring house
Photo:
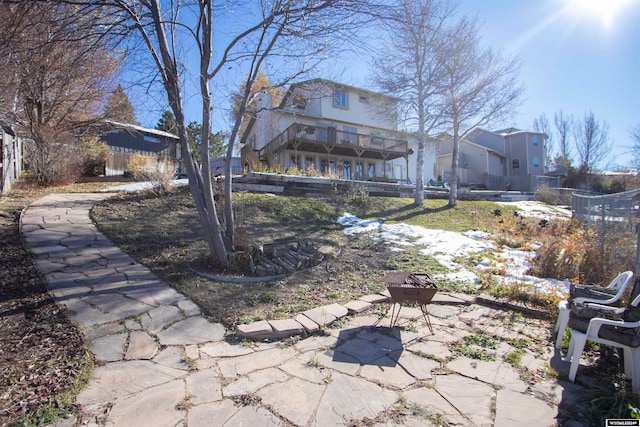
(331, 129)
(507, 159)
(125, 140)
(11, 161)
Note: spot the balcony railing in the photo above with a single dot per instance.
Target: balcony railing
(324, 139)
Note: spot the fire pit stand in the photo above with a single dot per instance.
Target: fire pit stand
(410, 288)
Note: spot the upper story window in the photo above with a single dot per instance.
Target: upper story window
(515, 164)
(534, 139)
(340, 98)
(536, 162)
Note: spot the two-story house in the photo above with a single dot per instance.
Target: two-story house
(507, 159)
(330, 129)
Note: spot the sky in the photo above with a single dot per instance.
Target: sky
(577, 56)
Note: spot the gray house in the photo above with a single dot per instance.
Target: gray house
(507, 159)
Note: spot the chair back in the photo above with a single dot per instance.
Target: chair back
(621, 281)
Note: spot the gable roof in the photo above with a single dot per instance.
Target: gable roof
(136, 128)
(331, 84)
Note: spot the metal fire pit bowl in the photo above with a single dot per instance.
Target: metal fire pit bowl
(410, 288)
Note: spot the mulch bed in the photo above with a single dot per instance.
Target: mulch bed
(42, 351)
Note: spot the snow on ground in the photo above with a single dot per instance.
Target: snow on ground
(138, 186)
(530, 208)
(446, 246)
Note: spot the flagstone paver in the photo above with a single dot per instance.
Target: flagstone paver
(294, 399)
(163, 363)
(511, 405)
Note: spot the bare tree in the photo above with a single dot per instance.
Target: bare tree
(541, 124)
(56, 73)
(410, 69)
(564, 125)
(635, 138)
(481, 87)
(293, 31)
(591, 141)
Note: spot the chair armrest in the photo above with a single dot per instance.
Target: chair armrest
(596, 323)
(602, 306)
(584, 300)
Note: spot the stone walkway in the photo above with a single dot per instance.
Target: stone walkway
(162, 363)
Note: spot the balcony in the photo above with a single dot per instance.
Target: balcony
(331, 141)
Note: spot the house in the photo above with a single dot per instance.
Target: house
(507, 159)
(11, 160)
(125, 140)
(326, 128)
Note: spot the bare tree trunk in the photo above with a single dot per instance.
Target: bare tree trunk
(453, 182)
(419, 196)
(201, 192)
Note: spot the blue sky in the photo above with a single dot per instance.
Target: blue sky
(578, 56)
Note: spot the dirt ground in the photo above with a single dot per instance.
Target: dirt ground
(164, 234)
(42, 352)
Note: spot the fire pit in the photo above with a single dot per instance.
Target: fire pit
(410, 288)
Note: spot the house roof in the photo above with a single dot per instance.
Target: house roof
(136, 128)
(469, 142)
(330, 83)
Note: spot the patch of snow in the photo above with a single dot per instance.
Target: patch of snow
(530, 208)
(446, 246)
(139, 186)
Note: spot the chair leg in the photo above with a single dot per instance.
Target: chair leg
(635, 363)
(579, 340)
(628, 363)
(562, 323)
(561, 305)
(572, 344)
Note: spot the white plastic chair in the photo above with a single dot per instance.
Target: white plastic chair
(620, 283)
(631, 354)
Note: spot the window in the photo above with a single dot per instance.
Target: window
(347, 170)
(340, 98)
(376, 138)
(534, 139)
(515, 164)
(252, 141)
(536, 162)
(359, 173)
(363, 99)
(372, 170)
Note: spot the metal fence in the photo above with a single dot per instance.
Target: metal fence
(613, 216)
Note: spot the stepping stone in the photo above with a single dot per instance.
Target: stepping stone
(256, 330)
(309, 325)
(306, 367)
(418, 367)
(315, 343)
(375, 298)
(286, 328)
(117, 305)
(357, 306)
(189, 308)
(173, 357)
(326, 314)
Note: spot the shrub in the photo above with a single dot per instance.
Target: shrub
(157, 171)
(94, 154)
